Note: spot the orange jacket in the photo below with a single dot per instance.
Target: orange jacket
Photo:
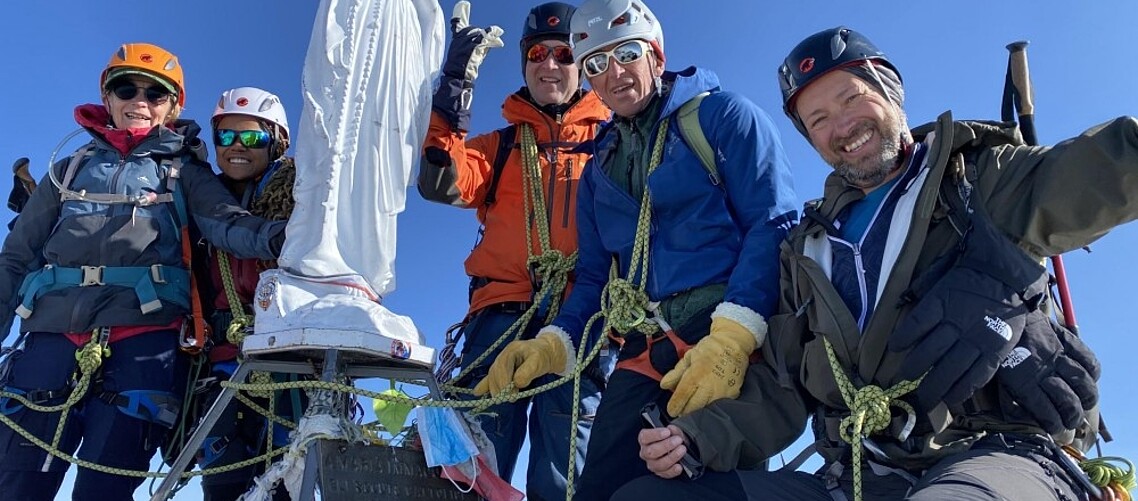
(500, 256)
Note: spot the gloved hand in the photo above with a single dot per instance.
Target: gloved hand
(524, 360)
(1051, 375)
(467, 49)
(958, 332)
(715, 366)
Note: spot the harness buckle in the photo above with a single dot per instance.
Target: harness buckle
(156, 275)
(92, 275)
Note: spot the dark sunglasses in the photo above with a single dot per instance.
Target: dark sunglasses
(253, 139)
(539, 53)
(128, 91)
(627, 52)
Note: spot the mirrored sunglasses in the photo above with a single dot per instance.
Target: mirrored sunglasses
(539, 53)
(625, 53)
(253, 139)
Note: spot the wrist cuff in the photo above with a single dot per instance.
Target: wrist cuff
(742, 315)
(563, 338)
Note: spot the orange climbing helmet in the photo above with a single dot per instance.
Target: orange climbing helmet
(147, 60)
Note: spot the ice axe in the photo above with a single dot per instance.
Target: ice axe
(1019, 97)
(22, 185)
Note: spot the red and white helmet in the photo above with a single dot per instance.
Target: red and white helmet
(254, 102)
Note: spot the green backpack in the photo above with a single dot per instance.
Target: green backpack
(692, 133)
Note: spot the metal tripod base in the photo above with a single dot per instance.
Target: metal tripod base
(332, 368)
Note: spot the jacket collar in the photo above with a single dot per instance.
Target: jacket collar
(587, 110)
(157, 140)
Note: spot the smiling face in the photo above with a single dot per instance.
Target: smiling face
(856, 130)
(549, 81)
(236, 161)
(628, 88)
(137, 112)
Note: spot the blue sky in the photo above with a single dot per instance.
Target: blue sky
(951, 56)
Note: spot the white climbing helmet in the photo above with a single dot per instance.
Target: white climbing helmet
(598, 23)
(254, 102)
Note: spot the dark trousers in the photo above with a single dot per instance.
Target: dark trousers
(614, 454)
(97, 430)
(993, 470)
(240, 434)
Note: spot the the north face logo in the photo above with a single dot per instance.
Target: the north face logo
(1016, 357)
(999, 326)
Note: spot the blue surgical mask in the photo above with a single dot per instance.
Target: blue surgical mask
(446, 439)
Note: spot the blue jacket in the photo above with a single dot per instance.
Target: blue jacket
(701, 233)
(77, 233)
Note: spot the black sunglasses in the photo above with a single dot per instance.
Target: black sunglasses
(128, 91)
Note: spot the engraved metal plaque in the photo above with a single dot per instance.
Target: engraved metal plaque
(357, 472)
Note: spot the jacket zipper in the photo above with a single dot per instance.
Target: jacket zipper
(863, 288)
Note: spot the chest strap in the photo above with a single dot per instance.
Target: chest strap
(151, 284)
(172, 167)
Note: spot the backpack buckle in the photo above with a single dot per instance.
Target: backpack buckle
(156, 274)
(92, 275)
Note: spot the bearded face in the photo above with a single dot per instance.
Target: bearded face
(858, 131)
(879, 160)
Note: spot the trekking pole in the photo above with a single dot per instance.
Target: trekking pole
(22, 186)
(1019, 96)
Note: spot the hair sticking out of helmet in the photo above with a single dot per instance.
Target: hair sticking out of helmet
(600, 23)
(826, 51)
(261, 105)
(147, 60)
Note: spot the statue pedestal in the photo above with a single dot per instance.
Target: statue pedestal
(302, 314)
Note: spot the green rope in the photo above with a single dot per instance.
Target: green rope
(1103, 471)
(624, 301)
(272, 387)
(623, 305)
(552, 265)
(1114, 475)
(869, 411)
(235, 333)
(89, 358)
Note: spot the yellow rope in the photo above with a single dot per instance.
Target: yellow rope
(869, 411)
(552, 265)
(89, 358)
(623, 305)
(235, 333)
(54, 451)
(267, 387)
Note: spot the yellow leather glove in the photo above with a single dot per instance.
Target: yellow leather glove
(712, 369)
(523, 361)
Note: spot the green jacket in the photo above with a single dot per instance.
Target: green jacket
(1029, 194)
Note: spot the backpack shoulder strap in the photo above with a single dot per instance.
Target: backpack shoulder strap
(692, 133)
(173, 169)
(77, 159)
(505, 145)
